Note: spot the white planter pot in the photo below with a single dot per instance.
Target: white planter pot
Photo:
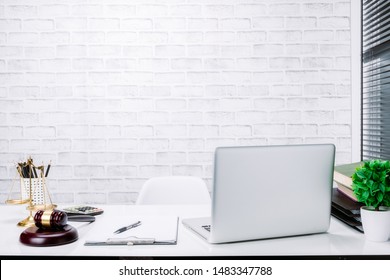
(376, 224)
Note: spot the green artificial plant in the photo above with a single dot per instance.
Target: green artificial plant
(371, 183)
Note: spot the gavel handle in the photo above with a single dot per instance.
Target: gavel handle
(81, 218)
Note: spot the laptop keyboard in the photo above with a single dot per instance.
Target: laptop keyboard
(207, 227)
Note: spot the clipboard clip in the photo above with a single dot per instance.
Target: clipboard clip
(129, 241)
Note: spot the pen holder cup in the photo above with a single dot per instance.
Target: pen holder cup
(36, 188)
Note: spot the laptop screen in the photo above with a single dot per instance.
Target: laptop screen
(271, 191)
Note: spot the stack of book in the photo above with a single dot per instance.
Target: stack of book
(345, 206)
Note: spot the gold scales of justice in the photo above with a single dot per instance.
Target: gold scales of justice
(33, 190)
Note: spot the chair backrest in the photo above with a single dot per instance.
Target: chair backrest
(174, 190)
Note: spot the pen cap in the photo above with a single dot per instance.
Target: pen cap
(51, 219)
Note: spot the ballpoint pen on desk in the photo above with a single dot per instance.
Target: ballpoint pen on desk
(122, 229)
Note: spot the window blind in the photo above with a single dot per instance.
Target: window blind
(375, 110)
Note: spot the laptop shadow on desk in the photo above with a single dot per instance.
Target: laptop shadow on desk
(310, 245)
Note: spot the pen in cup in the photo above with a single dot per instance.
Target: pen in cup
(47, 170)
(122, 229)
(20, 170)
(35, 172)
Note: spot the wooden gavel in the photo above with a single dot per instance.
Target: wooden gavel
(56, 219)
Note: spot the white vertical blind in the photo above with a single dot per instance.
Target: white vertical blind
(375, 79)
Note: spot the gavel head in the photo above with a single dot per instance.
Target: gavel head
(51, 219)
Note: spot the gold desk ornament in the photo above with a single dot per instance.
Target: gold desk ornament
(19, 199)
(33, 190)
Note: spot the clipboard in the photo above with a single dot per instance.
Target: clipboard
(153, 230)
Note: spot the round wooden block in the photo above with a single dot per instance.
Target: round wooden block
(34, 236)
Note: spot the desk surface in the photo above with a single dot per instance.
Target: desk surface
(340, 240)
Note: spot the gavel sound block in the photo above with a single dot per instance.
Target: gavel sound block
(51, 229)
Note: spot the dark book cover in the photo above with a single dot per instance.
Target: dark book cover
(344, 204)
(350, 221)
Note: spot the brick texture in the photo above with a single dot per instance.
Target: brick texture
(116, 92)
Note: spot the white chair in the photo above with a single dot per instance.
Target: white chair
(174, 190)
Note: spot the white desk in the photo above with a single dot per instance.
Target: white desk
(340, 240)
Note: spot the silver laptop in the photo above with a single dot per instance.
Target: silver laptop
(268, 191)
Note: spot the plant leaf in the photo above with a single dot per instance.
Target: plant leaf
(371, 183)
(361, 174)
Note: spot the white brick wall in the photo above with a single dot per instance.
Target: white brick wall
(115, 92)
